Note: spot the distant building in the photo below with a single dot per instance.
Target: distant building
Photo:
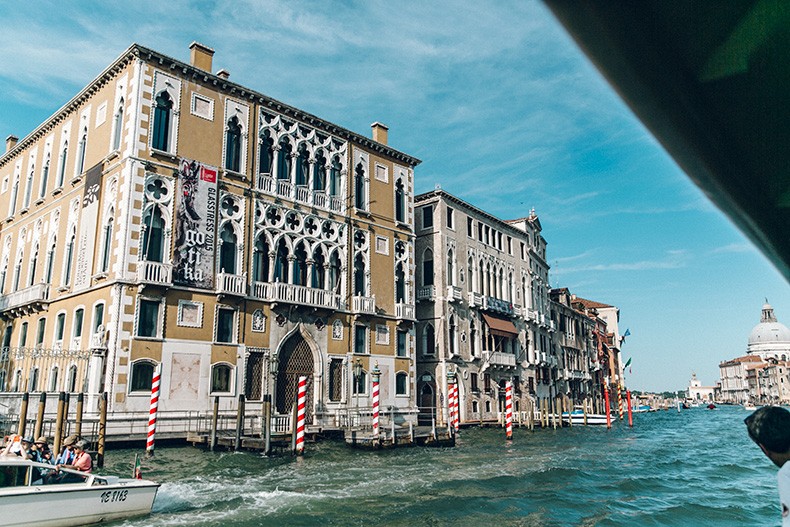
(734, 386)
(770, 338)
(697, 392)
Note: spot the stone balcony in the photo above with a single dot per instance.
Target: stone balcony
(364, 305)
(295, 294)
(454, 293)
(231, 284)
(27, 300)
(426, 292)
(156, 273)
(475, 299)
(298, 193)
(404, 311)
(500, 359)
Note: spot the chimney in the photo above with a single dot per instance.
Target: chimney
(200, 56)
(10, 142)
(379, 132)
(223, 74)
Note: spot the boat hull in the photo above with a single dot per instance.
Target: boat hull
(578, 419)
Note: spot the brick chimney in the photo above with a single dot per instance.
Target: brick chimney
(223, 74)
(379, 132)
(10, 142)
(200, 56)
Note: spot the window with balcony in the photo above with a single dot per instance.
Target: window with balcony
(334, 272)
(335, 173)
(400, 284)
(226, 325)
(227, 249)
(359, 276)
(401, 383)
(450, 267)
(221, 378)
(265, 154)
(153, 235)
(142, 376)
(233, 145)
(163, 112)
(148, 318)
(281, 263)
(318, 278)
(300, 265)
(427, 268)
(284, 159)
(260, 260)
(319, 176)
(302, 166)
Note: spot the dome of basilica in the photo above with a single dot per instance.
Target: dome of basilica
(769, 335)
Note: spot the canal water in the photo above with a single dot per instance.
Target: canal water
(697, 467)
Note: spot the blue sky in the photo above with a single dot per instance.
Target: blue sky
(504, 111)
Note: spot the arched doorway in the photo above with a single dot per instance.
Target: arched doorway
(427, 404)
(296, 360)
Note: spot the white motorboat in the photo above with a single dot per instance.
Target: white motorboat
(30, 496)
(577, 418)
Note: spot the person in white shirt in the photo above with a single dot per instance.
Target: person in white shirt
(769, 427)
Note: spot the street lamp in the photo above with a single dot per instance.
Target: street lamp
(357, 371)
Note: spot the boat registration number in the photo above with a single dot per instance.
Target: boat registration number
(113, 495)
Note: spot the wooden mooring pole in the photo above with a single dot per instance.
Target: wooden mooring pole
(239, 422)
(59, 422)
(267, 424)
(42, 403)
(65, 426)
(23, 414)
(102, 429)
(214, 420)
(78, 416)
(294, 418)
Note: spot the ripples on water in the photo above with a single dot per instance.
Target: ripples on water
(692, 468)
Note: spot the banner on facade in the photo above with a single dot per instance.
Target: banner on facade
(86, 238)
(196, 202)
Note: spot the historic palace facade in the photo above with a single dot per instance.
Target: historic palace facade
(168, 217)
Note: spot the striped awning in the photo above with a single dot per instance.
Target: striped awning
(500, 326)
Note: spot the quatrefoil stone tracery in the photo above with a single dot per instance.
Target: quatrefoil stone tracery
(230, 207)
(157, 190)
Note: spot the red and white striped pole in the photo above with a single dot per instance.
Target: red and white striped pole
(606, 402)
(376, 374)
(450, 402)
(149, 446)
(509, 410)
(300, 405)
(456, 412)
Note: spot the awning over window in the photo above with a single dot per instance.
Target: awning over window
(500, 326)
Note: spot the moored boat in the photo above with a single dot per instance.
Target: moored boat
(31, 495)
(576, 417)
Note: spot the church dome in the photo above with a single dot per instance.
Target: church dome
(769, 330)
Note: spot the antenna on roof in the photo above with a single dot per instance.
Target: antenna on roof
(438, 186)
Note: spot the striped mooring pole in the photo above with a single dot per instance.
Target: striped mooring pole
(509, 410)
(300, 405)
(450, 401)
(149, 446)
(456, 412)
(620, 399)
(376, 375)
(606, 402)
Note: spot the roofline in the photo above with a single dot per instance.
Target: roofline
(148, 55)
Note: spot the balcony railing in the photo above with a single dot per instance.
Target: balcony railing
(426, 292)
(364, 305)
(295, 294)
(475, 299)
(231, 284)
(299, 193)
(501, 359)
(454, 293)
(404, 311)
(33, 297)
(155, 272)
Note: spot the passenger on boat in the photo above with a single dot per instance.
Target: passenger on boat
(41, 451)
(82, 460)
(769, 427)
(66, 456)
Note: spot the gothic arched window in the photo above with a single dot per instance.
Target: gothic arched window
(227, 249)
(233, 145)
(160, 139)
(260, 260)
(153, 235)
(359, 275)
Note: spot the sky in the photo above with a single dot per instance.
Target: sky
(504, 111)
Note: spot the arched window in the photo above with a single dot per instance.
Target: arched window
(31, 274)
(300, 265)
(428, 340)
(359, 186)
(14, 194)
(153, 235)
(142, 376)
(18, 381)
(233, 145)
(71, 379)
(453, 334)
(481, 278)
(50, 261)
(227, 249)
(400, 201)
(511, 290)
(221, 377)
(17, 271)
(160, 139)
(53, 379)
(2, 380)
(64, 154)
(28, 188)
(69, 258)
(44, 177)
(427, 267)
(284, 160)
(401, 383)
(473, 339)
(470, 275)
(81, 149)
(318, 280)
(359, 275)
(334, 272)
(319, 178)
(450, 267)
(265, 154)
(107, 244)
(32, 383)
(3, 273)
(501, 285)
(281, 263)
(260, 260)
(302, 165)
(117, 126)
(334, 177)
(400, 284)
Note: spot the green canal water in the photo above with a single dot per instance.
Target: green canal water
(692, 468)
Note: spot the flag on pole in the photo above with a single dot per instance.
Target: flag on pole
(138, 473)
(627, 333)
(627, 363)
